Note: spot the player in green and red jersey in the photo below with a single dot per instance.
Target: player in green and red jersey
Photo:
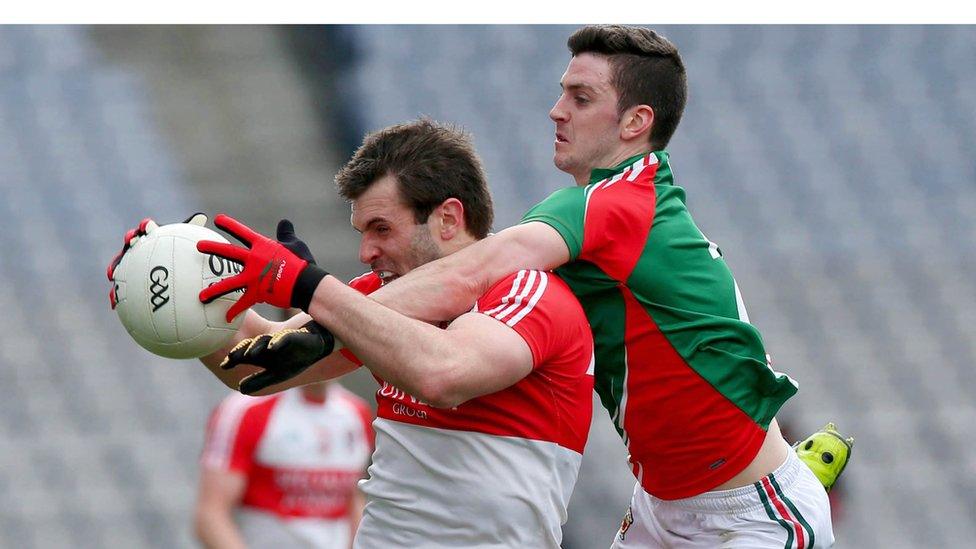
(682, 372)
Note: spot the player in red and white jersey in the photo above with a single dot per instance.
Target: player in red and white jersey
(281, 471)
(496, 470)
(481, 423)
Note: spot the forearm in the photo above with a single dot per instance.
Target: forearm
(416, 357)
(216, 529)
(446, 288)
(356, 503)
(440, 290)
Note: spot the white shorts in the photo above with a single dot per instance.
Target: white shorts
(788, 508)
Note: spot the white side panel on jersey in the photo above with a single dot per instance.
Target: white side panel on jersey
(456, 489)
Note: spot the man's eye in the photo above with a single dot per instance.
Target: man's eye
(382, 230)
(582, 100)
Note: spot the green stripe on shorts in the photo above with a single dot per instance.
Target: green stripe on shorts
(782, 496)
(772, 515)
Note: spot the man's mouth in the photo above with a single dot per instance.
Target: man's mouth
(387, 276)
(560, 138)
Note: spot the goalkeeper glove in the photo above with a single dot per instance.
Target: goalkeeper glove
(279, 272)
(826, 452)
(282, 355)
(145, 227)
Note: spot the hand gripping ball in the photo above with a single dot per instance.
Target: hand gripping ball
(157, 286)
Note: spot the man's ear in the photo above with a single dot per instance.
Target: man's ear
(449, 218)
(636, 123)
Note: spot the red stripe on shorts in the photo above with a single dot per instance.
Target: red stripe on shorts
(800, 541)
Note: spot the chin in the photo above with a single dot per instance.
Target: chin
(562, 163)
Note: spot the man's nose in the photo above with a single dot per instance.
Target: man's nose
(368, 253)
(557, 113)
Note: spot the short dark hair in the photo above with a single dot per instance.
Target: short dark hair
(646, 70)
(431, 163)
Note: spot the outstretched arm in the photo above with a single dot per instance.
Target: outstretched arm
(408, 353)
(446, 288)
(474, 356)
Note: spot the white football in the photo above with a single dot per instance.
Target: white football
(158, 284)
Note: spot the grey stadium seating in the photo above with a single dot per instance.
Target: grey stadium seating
(833, 165)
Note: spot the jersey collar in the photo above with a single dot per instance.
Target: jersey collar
(599, 174)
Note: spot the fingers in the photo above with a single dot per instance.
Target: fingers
(242, 304)
(115, 263)
(198, 218)
(146, 226)
(129, 237)
(248, 351)
(222, 288)
(236, 355)
(279, 340)
(237, 229)
(261, 380)
(223, 249)
(286, 231)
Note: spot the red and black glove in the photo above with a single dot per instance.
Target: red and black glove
(279, 272)
(145, 227)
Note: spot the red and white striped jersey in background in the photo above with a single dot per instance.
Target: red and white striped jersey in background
(302, 459)
(497, 470)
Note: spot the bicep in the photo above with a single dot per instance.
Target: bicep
(494, 356)
(533, 245)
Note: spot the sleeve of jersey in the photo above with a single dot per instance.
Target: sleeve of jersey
(366, 283)
(564, 211)
(532, 303)
(366, 415)
(232, 435)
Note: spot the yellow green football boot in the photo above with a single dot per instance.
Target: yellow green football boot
(826, 452)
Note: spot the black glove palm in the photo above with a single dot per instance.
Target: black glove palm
(282, 355)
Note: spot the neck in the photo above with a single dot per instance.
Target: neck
(623, 153)
(461, 241)
(315, 391)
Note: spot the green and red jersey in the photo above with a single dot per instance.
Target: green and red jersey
(680, 369)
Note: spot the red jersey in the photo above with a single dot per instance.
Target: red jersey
(498, 469)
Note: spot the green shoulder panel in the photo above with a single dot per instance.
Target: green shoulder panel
(565, 211)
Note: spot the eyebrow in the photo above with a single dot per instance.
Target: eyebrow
(370, 223)
(578, 86)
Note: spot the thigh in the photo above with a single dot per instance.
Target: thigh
(639, 528)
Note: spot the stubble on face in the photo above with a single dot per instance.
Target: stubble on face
(423, 249)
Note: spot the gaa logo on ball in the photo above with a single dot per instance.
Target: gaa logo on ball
(158, 284)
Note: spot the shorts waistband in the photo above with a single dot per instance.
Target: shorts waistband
(742, 499)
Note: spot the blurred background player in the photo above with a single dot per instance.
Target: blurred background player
(281, 471)
(481, 425)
